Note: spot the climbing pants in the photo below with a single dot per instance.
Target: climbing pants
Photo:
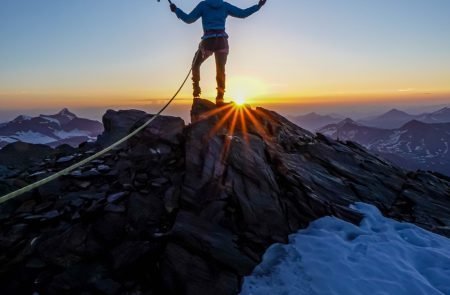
(219, 47)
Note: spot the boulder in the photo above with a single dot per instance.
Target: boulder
(21, 155)
(118, 124)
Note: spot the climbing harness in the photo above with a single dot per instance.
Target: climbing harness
(97, 155)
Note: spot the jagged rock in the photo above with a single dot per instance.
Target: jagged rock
(65, 159)
(210, 240)
(110, 228)
(130, 254)
(142, 177)
(83, 184)
(75, 280)
(191, 209)
(103, 168)
(172, 199)
(179, 278)
(107, 286)
(27, 206)
(43, 207)
(116, 197)
(51, 215)
(15, 233)
(144, 211)
(92, 196)
(119, 124)
(115, 208)
(158, 182)
(21, 154)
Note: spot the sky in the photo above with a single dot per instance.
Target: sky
(293, 55)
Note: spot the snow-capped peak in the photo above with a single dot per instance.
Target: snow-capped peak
(53, 130)
(65, 112)
(22, 118)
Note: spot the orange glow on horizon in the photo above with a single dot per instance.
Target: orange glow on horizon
(137, 99)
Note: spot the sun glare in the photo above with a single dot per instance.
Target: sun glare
(240, 101)
(244, 89)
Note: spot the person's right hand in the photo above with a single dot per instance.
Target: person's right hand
(261, 3)
(173, 7)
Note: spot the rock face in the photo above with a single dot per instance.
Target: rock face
(120, 123)
(191, 210)
(21, 153)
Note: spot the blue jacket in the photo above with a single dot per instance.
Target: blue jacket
(214, 14)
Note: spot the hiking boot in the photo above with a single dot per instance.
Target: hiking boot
(222, 103)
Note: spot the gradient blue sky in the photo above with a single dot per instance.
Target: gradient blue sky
(106, 53)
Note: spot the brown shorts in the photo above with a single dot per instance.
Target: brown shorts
(214, 45)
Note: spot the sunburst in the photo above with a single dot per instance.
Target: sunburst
(237, 120)
(240, 101)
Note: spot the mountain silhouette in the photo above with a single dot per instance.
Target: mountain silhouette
(63, 127)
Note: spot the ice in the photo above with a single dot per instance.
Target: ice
(381, 256)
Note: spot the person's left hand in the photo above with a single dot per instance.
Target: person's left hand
(173, 7)
(261, 3)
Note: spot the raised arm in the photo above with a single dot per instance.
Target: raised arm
(191, 17)
(241, 13)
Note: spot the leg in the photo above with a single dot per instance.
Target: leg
(199, 58)
(221, 61)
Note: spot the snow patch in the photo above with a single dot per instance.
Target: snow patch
(73, 133)
(7, 139)
(32, 137)
(53, 120)
(334, 257)
(22, 118)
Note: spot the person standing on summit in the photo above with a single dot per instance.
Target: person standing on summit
(215, 40)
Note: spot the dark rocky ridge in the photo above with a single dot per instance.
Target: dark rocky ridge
(191, 209)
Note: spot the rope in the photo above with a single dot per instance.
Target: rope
(95, 156)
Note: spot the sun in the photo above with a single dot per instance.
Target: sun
(243, 90)
(240, 100)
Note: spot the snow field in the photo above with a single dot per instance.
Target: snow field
(331, 256)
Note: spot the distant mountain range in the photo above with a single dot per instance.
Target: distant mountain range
(396, 118)
(314, 121)
(390, 120)
(52, 130)
(415, 145)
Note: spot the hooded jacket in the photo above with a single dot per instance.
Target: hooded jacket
(214, 14)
